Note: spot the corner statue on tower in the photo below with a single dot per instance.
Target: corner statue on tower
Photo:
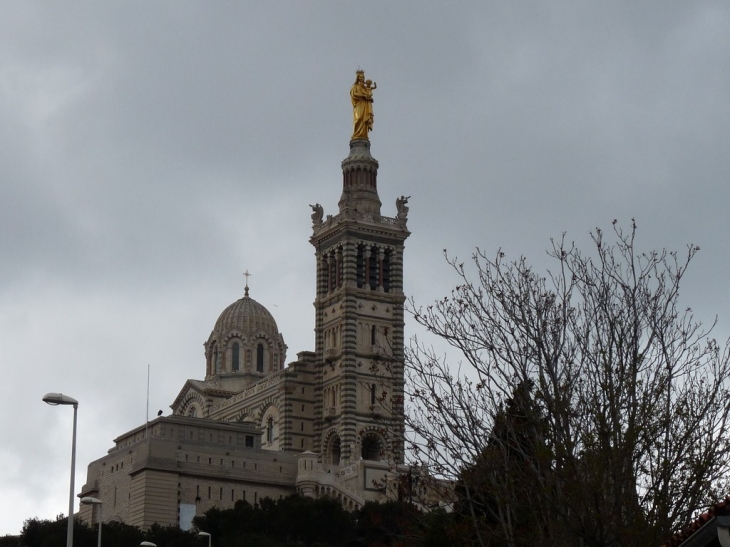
(361, 94)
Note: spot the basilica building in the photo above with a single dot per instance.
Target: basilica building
(329, 423)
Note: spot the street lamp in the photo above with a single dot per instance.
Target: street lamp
(148, 544)
(61, 399)
(97, 502)
(205, 534)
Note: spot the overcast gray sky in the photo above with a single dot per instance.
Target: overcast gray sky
(150, 152)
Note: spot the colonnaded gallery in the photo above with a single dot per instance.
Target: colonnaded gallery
(329, 423)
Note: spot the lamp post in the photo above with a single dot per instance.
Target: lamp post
(203, 535)
(97, 502)
(61, 399)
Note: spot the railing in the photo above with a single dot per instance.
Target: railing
(354, 215)
(331, 354)
(246, 393)
(376, 409)
(328, 488)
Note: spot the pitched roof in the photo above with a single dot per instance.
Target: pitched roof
(706, 519)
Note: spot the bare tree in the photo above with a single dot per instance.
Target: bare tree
(627, 436)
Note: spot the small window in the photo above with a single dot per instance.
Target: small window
(249, 441)
(209, 490)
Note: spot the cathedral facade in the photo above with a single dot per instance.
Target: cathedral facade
(330, 423)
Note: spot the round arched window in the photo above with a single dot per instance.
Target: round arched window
(372, 448)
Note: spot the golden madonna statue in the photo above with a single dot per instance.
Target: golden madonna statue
(361, 94)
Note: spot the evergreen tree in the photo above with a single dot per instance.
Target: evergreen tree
(496, 492)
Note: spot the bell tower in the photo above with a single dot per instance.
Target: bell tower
(359, 313)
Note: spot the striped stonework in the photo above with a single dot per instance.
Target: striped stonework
(359, 322)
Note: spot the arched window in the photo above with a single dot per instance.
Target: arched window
(371, 448)
(360, 266)
(209, 362)
(235, 356)
(270, 430)
(260, 358)
(332, 273)
(373, 269)
(386, 271)
(335, 451)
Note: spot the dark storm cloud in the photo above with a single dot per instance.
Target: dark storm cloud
(149, 153)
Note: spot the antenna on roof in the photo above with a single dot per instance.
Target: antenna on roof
(147, 417)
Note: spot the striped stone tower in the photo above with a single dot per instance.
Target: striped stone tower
(359, 320)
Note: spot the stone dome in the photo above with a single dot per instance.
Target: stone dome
(247, 316)
(245, 345)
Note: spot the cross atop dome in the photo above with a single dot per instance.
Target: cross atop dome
(246, 275)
